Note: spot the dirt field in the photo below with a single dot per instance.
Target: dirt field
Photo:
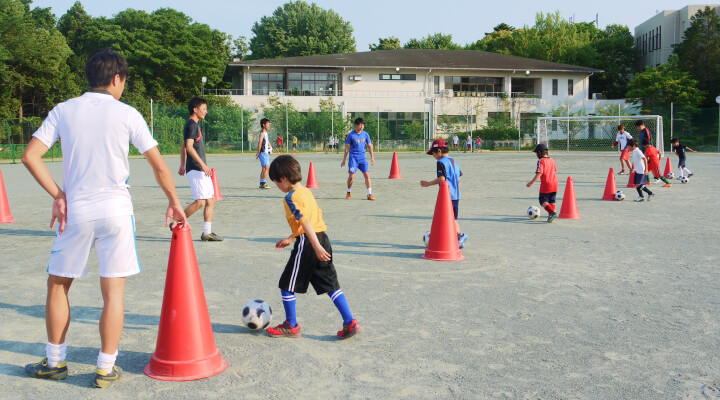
(621, 304)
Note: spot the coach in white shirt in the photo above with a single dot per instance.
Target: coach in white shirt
(94, 208)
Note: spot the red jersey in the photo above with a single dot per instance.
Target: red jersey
(653, 157)
(548, 179)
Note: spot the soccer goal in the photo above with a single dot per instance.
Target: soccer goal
(590, 133)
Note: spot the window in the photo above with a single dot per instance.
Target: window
(474, 84)
(397, 77)
(554, 87)
(652, 41)
(571, 89)
(659, 38)
(319, 83)
(522, 87)
(265, 84)
(436, 84)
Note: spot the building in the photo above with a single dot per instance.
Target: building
(435, 87)
(656, 37)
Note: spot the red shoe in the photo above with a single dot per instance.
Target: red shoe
(284, 329)
(350, 330)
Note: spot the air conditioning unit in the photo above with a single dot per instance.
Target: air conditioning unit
(447, 93)
(355, 77)
(597, 96)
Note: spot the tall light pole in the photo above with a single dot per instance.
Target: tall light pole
(717, 100)
(204, 79)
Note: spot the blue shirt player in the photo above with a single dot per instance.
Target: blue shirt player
(448, 171)
(355, 144)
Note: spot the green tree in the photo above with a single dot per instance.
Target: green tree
(616, 56)
(275, 110)
(389, 43)
(301, 29)
(414, 130)
(657, 87)
(437, 41)
(699, 53)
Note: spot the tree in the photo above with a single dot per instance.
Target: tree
(240, 48)
(658, 87)
(616, 56)
(275, 110)
(390, 43)
(437, 41)
(301, 29)
(414, 130)
(699, 53)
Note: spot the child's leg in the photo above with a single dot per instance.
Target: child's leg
(639, 190)
(550, 208)
(680, 171)
(57, 318)
(288, 299)
(687, 171)
(338, 298)
(646, 190)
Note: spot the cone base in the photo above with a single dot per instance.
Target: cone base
(6, 219)
(312, 187)
(180, 371)
(433, 255)
(395, 177)
(573, 217)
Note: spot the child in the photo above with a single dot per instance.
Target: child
(622, 138)
(468, 143)
(449, 171)
(278, 143)
(679, 149)
(456, 141)
(294, 145)
(547, 173)
(307, 264)
(640, 165)
(653, 158)
(478, 144)
(263, 152)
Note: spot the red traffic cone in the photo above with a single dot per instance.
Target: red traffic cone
(216, 186)
(443, 244)
(571, 211)
(610, 188)
(5, 216)
(185, 348)
(631, 179)
(311, 181)
(395, 168)
(668, 168)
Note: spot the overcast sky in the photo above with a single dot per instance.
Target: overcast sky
(466, 20)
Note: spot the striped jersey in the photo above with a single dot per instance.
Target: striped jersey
(548, 179)
(300, 206)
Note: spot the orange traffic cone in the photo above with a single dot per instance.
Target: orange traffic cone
(311, 181)
(443, 245)
(610, 188)
(571, 211)
(631, 179)
(5, 216)
(668, 168)
(216, 186)
(395, 168)
(185, 348)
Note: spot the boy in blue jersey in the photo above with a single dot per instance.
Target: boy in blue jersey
(263, 152)
(355, 145)
(449, 171)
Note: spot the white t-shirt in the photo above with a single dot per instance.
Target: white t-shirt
(637, 156)
(622, 139)
(455, 139)
(469, 140)
(95, 132)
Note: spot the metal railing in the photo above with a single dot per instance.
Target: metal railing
(319, 93)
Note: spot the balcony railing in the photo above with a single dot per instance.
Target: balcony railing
(325, 93)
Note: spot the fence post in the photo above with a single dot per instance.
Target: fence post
(152, 119)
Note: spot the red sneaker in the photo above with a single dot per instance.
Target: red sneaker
(350, 330)
(284, 329)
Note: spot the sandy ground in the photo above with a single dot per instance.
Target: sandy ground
(623, 303)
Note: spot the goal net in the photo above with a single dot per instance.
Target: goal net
(590, 133)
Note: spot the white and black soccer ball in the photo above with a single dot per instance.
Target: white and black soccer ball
(684, 179)
(426, 238)
(670, 175)
(533, 212)
(620, 195)
(257, 315)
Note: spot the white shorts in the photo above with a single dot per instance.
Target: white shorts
(201, 185)
(114, 242)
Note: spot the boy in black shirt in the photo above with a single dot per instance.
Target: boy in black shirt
(679, 149)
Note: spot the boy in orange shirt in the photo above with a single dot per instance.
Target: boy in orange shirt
(547, 173)
(653, 157)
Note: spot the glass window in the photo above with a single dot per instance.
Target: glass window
(264, 84)
(474, 84)
(397, 77)
(571, 89)
(314, 83)
(436, 82)
(554, 87)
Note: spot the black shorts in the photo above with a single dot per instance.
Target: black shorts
(681, 162)
(456, 205)
(640, 179)
(303, 268)
(547, 198)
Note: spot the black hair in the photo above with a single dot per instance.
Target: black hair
(359, 121)
(263, 122)
(674, 140)
(194, 103)
(285, 166)
(645, 142)
(542, 153)
(639, 122)
(621, 126)
(631, 143)
(102, 67)
(443, 150)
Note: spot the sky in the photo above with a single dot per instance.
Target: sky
(466, 20)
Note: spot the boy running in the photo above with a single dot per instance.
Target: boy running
(640, 165)
(653, 158)
(263, 152)
(621, 138)
(547, 173)
(311, 258)
(679, 149)
(94, 209)
(355, 145)
(448, 171)
(294, 143)
(278, 144)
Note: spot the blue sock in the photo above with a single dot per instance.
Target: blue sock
(288, 299)
(262, 180)
(339, 299)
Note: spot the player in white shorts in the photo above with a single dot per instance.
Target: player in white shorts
(94, 208)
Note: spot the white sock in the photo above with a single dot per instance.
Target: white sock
(55, 354)
(369, 191)
(681, 172)
(207, 227)
(687, 171)
(105, 362)
(349, 190)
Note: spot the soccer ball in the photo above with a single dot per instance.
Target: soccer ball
(533, 212)
(670, 175)
(684, 179)
(426, 238)
(257, 315)
(620, 195)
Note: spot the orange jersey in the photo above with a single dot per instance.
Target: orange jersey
(653, 157)
(300, 206)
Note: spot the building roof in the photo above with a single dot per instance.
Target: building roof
(419, 59)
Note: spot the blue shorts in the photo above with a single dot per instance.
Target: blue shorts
(456, 205)
(357, 163)
(640, 179)
(547, 198)
(264, 159)
(681, 162)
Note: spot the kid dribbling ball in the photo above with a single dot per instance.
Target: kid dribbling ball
(533, 212)
(257, 315)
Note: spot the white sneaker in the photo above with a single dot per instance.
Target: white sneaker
(650, 196)
(639, 199)
(657, 181)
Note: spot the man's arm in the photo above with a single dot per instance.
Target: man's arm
(372, 155)
(183, 155)
(260, 138)
(164, 178)
(32, 159)
(195, 156)
(347, 149)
